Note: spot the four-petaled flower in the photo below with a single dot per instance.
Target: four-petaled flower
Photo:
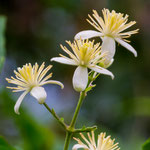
(85, 55)
(30, 79)
(110, 29)
(103, 143)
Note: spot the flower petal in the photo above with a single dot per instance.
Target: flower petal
(110, 63)
(77, 146)
(19, 101)
(80, 78)
(101, 70)
(64, 61)
(39, 93)
(127, 46)
(87, 34)
(109, 48)
(52, 82)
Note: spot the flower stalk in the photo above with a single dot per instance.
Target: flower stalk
(71, 127)
(61, 122)
(72, 124)
(70, 130)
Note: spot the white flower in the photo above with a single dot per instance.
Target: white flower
(110, 29)
(85, 55)
(103, 143)
(30, 79)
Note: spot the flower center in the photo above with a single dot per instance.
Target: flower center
(85, 54)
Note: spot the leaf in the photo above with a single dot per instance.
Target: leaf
(146, 145)
(33, 135)
(90, 88)
(83, 128)
(62, 119)
(4, 144)
(53, 111)
(2, 40)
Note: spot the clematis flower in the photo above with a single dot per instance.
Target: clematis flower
(103, 143)
(110, 29)
(85, 55)
(31, 79)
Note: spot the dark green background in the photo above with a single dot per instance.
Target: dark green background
(121, 107)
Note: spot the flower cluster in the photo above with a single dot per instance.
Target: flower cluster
(84, 54)
(89, 58)
(103, 142)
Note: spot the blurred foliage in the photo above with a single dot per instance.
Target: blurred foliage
(4, 144)
(2, 40)
(146, 145)
(34, 135)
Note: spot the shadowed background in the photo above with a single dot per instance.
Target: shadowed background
(121, 107)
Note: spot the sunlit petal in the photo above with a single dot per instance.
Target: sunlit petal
(80, 78)
(101, 70)
(77, 146)
(53, 82)
(127, 46)
(110, 63)
(39, 93)
(108, 49)
(87, 34)
(19, 101)
(64, 61)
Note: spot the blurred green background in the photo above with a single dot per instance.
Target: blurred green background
(121, 107)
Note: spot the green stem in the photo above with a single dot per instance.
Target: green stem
(70, 130)
(71, 127)
(87, 129)
(55, 116)
(67, 140)
(81, 98)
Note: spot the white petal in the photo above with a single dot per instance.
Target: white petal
(77, 146)
(110, 63)
(101, 70)
(87, 34)
(109, 48)
(127, 46)
(52, 82)
(64, 61)
(19, 101)
(80, 78)
(39, 93)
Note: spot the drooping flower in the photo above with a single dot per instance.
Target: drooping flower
(110, 29)
(31, 79)
(85, 55)
(103, 143)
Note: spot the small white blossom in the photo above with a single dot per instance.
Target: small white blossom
(30, 79)
(103, 143)
(110, 29)
(85, 55)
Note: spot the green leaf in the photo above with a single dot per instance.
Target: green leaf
(53, 111)
(90, 88)
(2, 40)
(62, 119)
(146, 145)
(83, 128)
(33, 135)
(4, 144)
